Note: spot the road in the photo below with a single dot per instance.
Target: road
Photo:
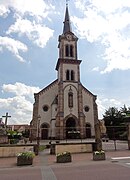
(115, 145)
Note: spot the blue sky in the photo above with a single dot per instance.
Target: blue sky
(29, 33)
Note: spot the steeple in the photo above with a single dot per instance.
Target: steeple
(67, 26)
(67, 44)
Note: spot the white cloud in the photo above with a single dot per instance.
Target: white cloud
(95, 69)
(21, 105)
(13, 46)
(110, 6)
(117, 52)
(20, 89)
(104, 103)
(23, 11)
(3, 11)
(108, 23)
(16, 103)
(37, 33)
(19, 108)
(37, 8)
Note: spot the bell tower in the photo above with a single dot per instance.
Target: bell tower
(68, 53)
(70, 104)
(67, 41)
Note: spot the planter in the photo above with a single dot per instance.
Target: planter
(98, 157)
(21, 161)
(63, 158)
(25, 158)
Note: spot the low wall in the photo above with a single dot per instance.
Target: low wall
(73, 147)
(12, 151)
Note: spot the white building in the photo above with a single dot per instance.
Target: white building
(65, 105)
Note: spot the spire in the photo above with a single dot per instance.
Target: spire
(67, 26)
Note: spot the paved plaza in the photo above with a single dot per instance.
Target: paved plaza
(115, 167)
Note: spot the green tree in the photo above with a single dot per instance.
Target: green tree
(110, 116)
(124, 110)
(114, 122)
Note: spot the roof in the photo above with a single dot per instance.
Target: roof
(47, 87)
(95, 96)
(67, 25)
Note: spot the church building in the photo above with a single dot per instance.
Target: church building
(65, 107)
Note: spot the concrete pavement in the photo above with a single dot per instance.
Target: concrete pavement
(81, 167)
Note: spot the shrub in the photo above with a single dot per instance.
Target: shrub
(27, 154)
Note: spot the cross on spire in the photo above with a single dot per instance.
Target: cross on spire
(67, 2)
(6, 117)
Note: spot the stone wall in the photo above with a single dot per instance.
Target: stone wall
(74, 148)
(3, 139)
(12, 151)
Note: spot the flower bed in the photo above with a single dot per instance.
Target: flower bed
(63, 157)
(99, 155)
(25, 158)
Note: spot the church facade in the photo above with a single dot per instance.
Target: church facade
(65, 107)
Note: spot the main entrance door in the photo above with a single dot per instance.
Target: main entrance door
(88, 131)
(44, 131)
(70, 128)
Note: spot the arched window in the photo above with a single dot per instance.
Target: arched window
(67, 75)
(67, 50)
(71, 51)
(72, 75)
(70, 99)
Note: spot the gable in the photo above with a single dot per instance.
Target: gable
(88, 92)
(47, 88)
